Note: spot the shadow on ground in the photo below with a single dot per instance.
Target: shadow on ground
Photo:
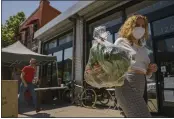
(54, 105)
(39, 115)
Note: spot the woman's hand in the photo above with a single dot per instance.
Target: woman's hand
(152, 68)
(97, 68)
(99, 40)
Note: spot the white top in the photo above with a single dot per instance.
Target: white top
(140, 59)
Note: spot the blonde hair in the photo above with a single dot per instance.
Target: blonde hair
(127, 28)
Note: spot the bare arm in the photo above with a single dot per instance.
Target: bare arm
(148, 74)
(22, 78)
(151, 69)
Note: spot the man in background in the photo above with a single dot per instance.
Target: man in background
(27, 76)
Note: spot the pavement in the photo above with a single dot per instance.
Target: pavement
(53, 111)
(60, 109)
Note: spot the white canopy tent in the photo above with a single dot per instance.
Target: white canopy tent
(17, 53)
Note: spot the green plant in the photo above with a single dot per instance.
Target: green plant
(11, 28)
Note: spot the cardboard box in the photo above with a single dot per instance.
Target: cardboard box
(9, 98)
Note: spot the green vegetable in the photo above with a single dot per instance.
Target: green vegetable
(113, 63)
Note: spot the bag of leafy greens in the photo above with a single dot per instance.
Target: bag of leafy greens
(107, 63)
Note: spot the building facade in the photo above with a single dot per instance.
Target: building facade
(69, 37)
(41, 16)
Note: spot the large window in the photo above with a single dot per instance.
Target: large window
(61, 47)
(45, 48)
(166, 45)
(67, 64)
(58, 41)
(163, 26)
(65, 39)
(58, 55)
(147, 6)
(59, 70)
(52, 44)
(64, 65)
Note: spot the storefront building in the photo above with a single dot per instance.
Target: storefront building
(69, 37)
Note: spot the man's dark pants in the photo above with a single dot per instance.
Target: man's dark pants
(30, 87)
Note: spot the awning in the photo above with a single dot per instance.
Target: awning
(18, 53)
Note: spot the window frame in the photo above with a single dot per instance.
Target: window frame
(58, 48)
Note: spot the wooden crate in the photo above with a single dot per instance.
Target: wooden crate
(9, 98)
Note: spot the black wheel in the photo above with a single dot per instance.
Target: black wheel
(104, 98)
(88, 98)
(67, 96)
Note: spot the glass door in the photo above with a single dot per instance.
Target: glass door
(163, 39)
(165, 61)
(67, 74)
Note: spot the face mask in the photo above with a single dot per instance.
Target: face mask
(138, 32)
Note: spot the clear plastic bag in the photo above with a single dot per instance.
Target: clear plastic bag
(107, 62)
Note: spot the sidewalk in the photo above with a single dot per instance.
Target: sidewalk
(71, 111)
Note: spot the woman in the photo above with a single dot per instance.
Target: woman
(130, 95)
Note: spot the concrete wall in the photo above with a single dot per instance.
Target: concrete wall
(78, 61)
